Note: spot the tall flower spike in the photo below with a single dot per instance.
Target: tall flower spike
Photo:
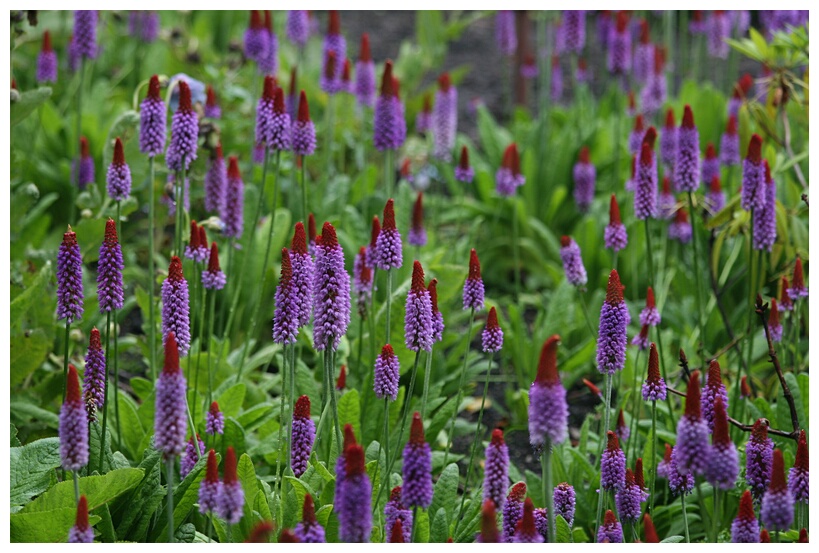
(758, 459)
(277, 135)
(572, 31)
(753, 176)
(645, 185)
(212, 109)
(798, 482)
(798, 289)
(619, 46)
(298, 27)
(214, 420)
(641, 339)
(611, 531)
(341, 461)
(375, 230)
(362, 282)
(584, 174)
(513, 510)
(621, 428)
(73, 425)
(287, 536)
(668, 140)
(268, 64)
(650, 315)
(744, 388)
(643, 54)
(388, 244)
(745, 528)
(526, 530)
(285, 318)
(548, 411)
(723, 460)
(496, 470)
(213, 278)
(69, 279)
(785, 302)
(335, 42)
(615, 235)
(508, 177)
(81, 532)
(184, 132)
(365, 74)
(387, 133)
(423, 121)
(639, 478)
(437, 316)
(765, 218)
(234, 205)
(256, 39)
(331, 286)
(416, 491)
(385, 381)
(329, 83)
(628, 499)
(649, 532)
(692, 432)
(729, 143)
(492, 335)
(83, 174)
(718, 28)
(612, 464)
(394, 511)
(445, 118)
(687, 162)
(303, 130)
(176, 307)
(84, 42)
(152, 121)
(463, 172)
(47, 61)
(302, 263)
(715, 197)
(170, 411)
(710, 165)
(309, 530)
(572, 262)
(261, 532)
(189, 456)
(667, 203)
(418, 313)
(230, 499)
(192, 250)
(564, 501)
(654, 388)
(302, 437)
(635, 139)
(109, 270)
(777, 503)
(489, 523)
(94, 376)
(612, 337)
(655, 93)
(473, 286)
(678, 482)
(352, 500)
(505, 34)
(417, 234)
(713, 389)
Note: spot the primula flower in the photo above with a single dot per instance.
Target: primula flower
(492, 335)
(753, 176)
(621, 428)
(713, 389)
(463, 172)
(94, 376)
(715, 197)
(564, 502)
(718, 27)
(496, 470)
(745, 528)
(668, 141)
(729, 143)
(641, 339)
(635, 139)
(388, 244)
(798, 482)
(170, 410)
(303, 138)
(352, 499)
(256, 39)
(309, 530)
(84, 41)
(584, 180)
(615, 235)
(692, 432)
(286, 316)
(513, 510)
(645, 180)
(680, 228)
(572, 262)
(628, 499)
(416, 491)
(506, 36)
(489, 524)
(765, 217)
(362, 281)
(331, 286)
(184, 132)
(388, 116)
(268, 62)
(548, 410)
(69, 279)
(213, 278)
(73, 425)
(643, 54)
(47, 61)
(212, 109)
(777, 503)
(612, 464)
(302, 263)
(710, 165)
(230, 499)
(654, 388)
(508, 178)
(365, 74)
(445, 118)
(619, 46)
(610, 531)
(298, 27)
(612, 336)
(189, 456)
(723, 460)
(418, 313)
(437, 316)
(214, 420)
(687, 162)
(526, 530)
(798, 289)
(81, 532)
(152, 121)
(234, 204)
(109, 271)
(335, 42)
(176, 307)
(758, 459)
(423, 121)
(82, 170)
(394, 511)
(473, 293)
(302, 437)
(387, 369)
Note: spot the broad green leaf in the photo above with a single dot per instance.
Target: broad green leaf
(132, 431)
(27, 351)
(105, 527)
(349, 411)
(14, 440)
(144, 499)
(97, 489)
(44, 526)
(27, 103)
(440, 527)
(31, 469)
(230, 402)
(422, 527)
(562, 530)
(445, 494)
(185, 494)
(673, 539)
(301, 489)
(33, 293)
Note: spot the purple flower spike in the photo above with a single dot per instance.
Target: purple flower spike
(777, 503)
(463, 172)
(572, 31)
(277, 134)
(445, 118)
(745, 528)
(610, 531)
(303, 436)
(213, 278)
(230, 499)
(473, 286)
(505, 34)
(635, 139)
(170, 415)
(753, 177)
(94, 378)
(418, 313)
(584, 180)
(758, 459)
(176, 307)
(765, 218)
(329, 83)
(394, 511)
(352, 500)
(723, 460)
(234, 202)
(417, 234)
(286, 316)
(678, 483)
(423, 121)
(489, 524)
(152, 121)
(302, 273)
(375, 230)
(718, 28)
(69, 279)
(437, 316)
(362, 282)
(692, 432)
(109, 271)
(417, 471)
(710, 165)
(798, 482)
(612, 337)
(81, 532)
(668, 140)
(331, 285)
(210, 485)
(798, 289)
(184, 132)
(774, 325)
(195, 251)
(621, 428)
(298, 27)
(82, 171)
(650, 315)
(212, 109)
(119, 175)
(47, 61)
(73, 425)
(667, 202)
(526, 530)
(615, 235)
(335, 42)
(303, 131)
(548, 410)
(715, 197)
(729, 143)
(612, 464)
(492, 335)
(714, 388)
(268, 63)
(628, 499)
(508, 177)
(365, 74)
(564, 502)
(214, 420)
(654, 388)
(619, 47)
(641, 339)
(84, 41)
(385, 383)
(572, 262)
(256, 40)
(496, 470)
(529, 69)
(643, 54)
(645, 185)
(687, 162)
(309, 530)
(680, 228)
(264, 112)
(387, 133)
(190, 457)
(144, 25)
(513, 510)
(388, 243)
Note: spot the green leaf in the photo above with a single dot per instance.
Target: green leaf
(97, 490)
(15, 441)
(144, 500)
(132, 431)
(44, 526)
(563, 533)
(185, 494)
(143, 388)
(124, 127)
(32, 294)
(27, 351)
(422, 527)
(230, 402)
(301, 489)
(440, 527)
(31, 469)
(105, 527)
(27, 103)
(445, 494)
(349, 411)
(24, 411)
(673, 539)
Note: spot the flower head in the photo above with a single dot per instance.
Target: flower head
(619, 46)
(692, 432)
(417, 470)
(418, 313)
(176, 307)
(463, 172)
(628, 499)
(230, 499)
(445, 118)
(564, 501)
(94, 376)
(610, 531)
(612, 464)
(508, 178)
(437, 316)
(745, 528)
(212, 109)
(584, 174)
(615, 235)
(548, 410)
(798, 289)
(758, 459)
(729, 143)
(387, 369)
(302, 263)
(170, 411)
(365, 74)
(190, 457)
(526, 530)
(423, 121)
(668, 139)
(375, 230)
(47, 61)
(73, 428)
(635, 139)
(489, 523)
(331, 286)
(285, 318)
(109, 270)
(650, 533)
(214, 420)
(650, 315)
(680, 228)
(496, 470)
(212, 277)
(645, 182)
(256, 39)
(714, 388)
(303, 130)
(69, 279)
(798, 483)
(417, 234)
(654, 388)
(388, 116)
(612, 337)
(473, 286)
(184, 132)
(513, 510)
(687, 162)
(84, 41)
(492, 335)
(309, 530)
(268, 62)
(388, 244)
(302, 437)
(506, 36)
(723, 459)
(234, 205)
(777, 503)
(152, 121)
(394, 511)
(765, 217)
(641, 339)
(362, 281)
(81, 532)
(753, 176)
(298, 27)
(352, 500)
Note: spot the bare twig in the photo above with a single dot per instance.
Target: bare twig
(762, 311)
(684, 364)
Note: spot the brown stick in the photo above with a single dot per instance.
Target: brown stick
(762, 310)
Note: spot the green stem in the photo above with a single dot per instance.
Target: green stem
(328, 151)
(208, 525)
(386, 447)
(211, 316)
(76, 185)
(65, 357)
(169, 462)
(304, 211)
(279, 475)
(202, 301)
(193, 431)
(685, 518)
(292, 402)
(427, 373)
(716, 513)
(116, 358)
(603, 436)
(105, 392)
(151, 267)
(697, 274)
(76, 487)
(546, 475)
(389, 306)
(653, 465)
(389, 172)
(415, 525)
(329, 364)
(460, 386)
(515, 245)
(586, 314)
(635, 407)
